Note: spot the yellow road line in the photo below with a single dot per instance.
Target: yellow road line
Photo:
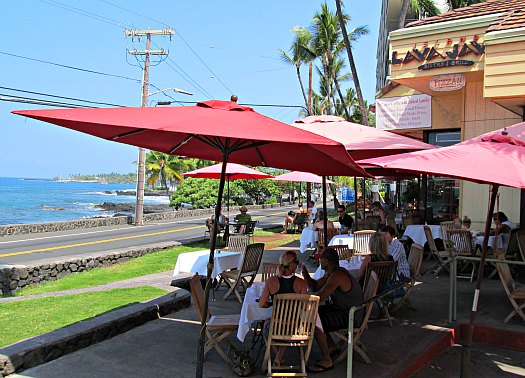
(112, 240)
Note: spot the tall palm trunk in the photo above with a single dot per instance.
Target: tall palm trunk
(403, 14)
(298, 66)
(327, 79)
(364, 112)
(310, 89)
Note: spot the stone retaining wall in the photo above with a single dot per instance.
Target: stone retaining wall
(24, 229)
(44, 348)
(15, 277)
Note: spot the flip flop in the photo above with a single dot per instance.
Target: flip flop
(317, 368)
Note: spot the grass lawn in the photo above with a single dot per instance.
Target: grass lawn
(32, 317)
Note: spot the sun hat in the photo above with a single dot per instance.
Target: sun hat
(243, 209)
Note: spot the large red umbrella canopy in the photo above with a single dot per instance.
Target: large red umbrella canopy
(360, 141)
(233, 172)
(208, 131)
(491, 158)
(298, 176)
(213, 130)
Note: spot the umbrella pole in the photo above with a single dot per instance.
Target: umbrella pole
(228, 197)
(325, 220)
(355, 203)
(204, 318)
(465, 356)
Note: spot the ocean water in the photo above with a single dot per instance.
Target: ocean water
(25, 201)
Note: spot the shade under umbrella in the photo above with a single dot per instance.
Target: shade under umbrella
(213, 130)
(496, 158)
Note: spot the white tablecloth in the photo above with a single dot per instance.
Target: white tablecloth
(343, 240)
(250, 311)
(492, 240)
(196, 262)
(416, 232)
(308, 239)
(352, 266)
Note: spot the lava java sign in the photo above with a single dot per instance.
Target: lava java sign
(442, 54)
(408, 112)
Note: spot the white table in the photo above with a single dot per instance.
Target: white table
(196, 262)
(416, 232)
(343, 240)
(308, 239)
(250, 311)
(492, 240)
(352, 266)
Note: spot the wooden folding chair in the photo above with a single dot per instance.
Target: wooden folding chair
(370, 292)
(415, 259)
(292, 325)
(250, 229)
(460, 242)
(520, 235)
(218, 327)
(515, 294)
(269, 270)
(385, 271)
(343, 251)
(238, 243)
(251, 260)
(372, 222)
(361, 239)
(440, 256)
(445, 228)
(320, 242)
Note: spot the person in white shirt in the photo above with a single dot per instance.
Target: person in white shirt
(312, 211)
(397, 250)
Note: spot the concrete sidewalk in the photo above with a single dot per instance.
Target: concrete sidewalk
(166, 347)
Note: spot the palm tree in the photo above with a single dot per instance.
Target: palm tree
(300, 54)
(454, 4)
(342, 23)
(161, 167)
(422, 8)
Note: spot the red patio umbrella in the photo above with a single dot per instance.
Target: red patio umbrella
(495, 158)
(233, 172)
(213, 130)
(297, 176)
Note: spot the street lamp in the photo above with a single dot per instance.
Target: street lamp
(139, 208)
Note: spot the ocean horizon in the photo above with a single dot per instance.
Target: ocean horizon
(33, 200)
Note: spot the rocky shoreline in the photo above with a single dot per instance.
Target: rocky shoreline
(128, 208)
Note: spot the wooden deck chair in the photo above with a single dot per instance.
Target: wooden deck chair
(343, 251)
(292, 325)
(372, 222)
(460, 242)
(520, 235)
(385, 271)
(445, 228)
(249, 229)
(269, 270)
(218, 327)
(238, 243)
(361, 239)
(300, 222)
(415, 259)
(320, 243)
(440, 256)
(515, 294)
(251, 260)
(370, 292)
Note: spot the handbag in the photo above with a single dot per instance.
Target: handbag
(397, 293)
(243, 363)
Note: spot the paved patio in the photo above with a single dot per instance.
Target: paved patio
(166, 347)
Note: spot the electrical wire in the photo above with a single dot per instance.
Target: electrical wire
(61, 97)
(37, 101)
(70, 67)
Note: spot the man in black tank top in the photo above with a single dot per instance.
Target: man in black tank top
(344, 291)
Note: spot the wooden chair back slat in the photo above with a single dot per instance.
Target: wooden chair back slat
(343, 251)
(361, 239)
(520, 235)
(252, 258)
(320, 237)
(372, 222)
(460, 242)
(269, 270)
(415, 259)
(385, 271)
(197, 294)
(238, 243)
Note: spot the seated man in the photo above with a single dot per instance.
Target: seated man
(344, 292)
(345, 220)
(397, 251)
(242, 218)
(291, 216)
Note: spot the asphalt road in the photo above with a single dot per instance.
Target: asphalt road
(30, 249)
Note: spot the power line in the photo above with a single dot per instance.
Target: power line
(37, 101)
(70, 67)
(62, 97)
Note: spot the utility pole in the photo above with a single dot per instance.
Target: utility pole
(139, 208)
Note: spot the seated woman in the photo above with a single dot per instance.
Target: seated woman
(222, 222)
(377, 209)
(378, 246)
(291, 216)
(319, 223)
(284, 282)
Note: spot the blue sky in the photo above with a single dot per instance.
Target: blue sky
(234, 48)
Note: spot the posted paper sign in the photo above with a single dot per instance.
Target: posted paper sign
(408, 112)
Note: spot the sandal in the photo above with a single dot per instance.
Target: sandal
(318, 368)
